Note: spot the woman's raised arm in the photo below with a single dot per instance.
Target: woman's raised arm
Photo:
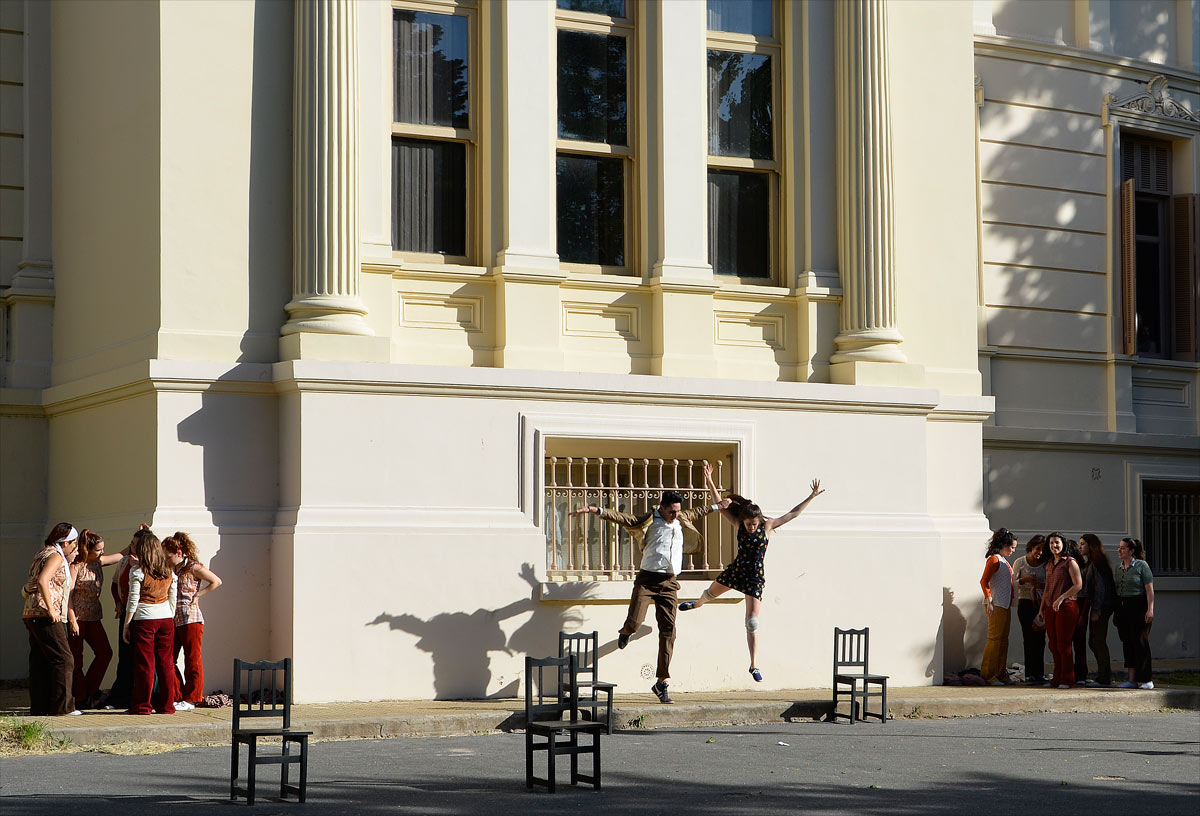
(798, 509)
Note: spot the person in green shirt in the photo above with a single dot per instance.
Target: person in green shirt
(1135, 611)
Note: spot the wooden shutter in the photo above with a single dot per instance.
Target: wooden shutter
(1128, 273)
(1185, 224)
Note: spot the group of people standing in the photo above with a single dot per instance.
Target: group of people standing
(156, 591)
(1066, 591)
(660, 532)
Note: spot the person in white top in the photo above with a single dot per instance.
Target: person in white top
(150, 625)
(661, 533)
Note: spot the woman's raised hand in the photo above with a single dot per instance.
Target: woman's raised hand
(816, 488)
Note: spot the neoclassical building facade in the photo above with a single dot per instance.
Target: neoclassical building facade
(365, 296)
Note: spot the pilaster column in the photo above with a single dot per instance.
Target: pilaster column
(325, 262)
(864, 189)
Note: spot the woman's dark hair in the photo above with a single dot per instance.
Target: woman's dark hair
(999, 540)
(1096, 554)
(743, 509)
(61, 530)
(1135, 544)
(1070, 546)
(181, 543)
(88, 541)
(1035, 542)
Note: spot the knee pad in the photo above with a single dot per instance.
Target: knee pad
(752, 624)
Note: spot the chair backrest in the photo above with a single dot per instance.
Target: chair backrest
(585, 647)
(851, 648)
(551, 688)
(262, 689)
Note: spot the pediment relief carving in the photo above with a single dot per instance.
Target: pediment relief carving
(1155, 101)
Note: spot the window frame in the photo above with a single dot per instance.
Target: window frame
(567, 20)
(468, 136)
(773, 47)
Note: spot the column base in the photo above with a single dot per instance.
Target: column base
(862, 372)
(343, 347)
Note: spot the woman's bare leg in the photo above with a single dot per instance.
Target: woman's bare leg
(753, 608)
(714, 590)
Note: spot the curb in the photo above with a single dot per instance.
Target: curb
(654, 716)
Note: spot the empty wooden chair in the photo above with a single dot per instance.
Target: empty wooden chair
(264, 690)
(851, 652)
(585, 647)
(551, 712)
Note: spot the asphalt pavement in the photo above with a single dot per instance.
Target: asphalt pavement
(1142, 763)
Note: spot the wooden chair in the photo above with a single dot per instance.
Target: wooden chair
(585, 647)
(257, 692)
(851, 650)
(552, 693)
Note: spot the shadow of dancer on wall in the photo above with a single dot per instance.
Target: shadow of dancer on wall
(460, 643)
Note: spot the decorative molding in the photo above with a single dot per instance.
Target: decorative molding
(978, 91)
(754, 330)
(602, 320)
(1161, 392)
(1154, 101)
(454, 312)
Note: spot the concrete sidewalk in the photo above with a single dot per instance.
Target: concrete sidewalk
(401, 718)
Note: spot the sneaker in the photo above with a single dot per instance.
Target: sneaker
(1064, 686)
(660, 691)
(756, 674)
(183, 706)
(1049, 685)
(1091, 684)
(622, 640)
(1127, 684)
(110, 708)
(687, 606)
(1081, 682)
(1147, 686)
(74, 713)
(997, 683)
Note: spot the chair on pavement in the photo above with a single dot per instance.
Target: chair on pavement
(258, 692)
(585, 647)
(851, 650)
(551, 710)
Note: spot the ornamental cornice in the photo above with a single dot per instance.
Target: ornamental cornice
(1155, 101)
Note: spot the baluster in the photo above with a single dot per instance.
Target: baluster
(571, 527)
(587, 530)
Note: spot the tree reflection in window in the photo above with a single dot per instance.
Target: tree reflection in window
(609, 8)
(431, 64)
(739, 105)
(591, 87)
(591, 210)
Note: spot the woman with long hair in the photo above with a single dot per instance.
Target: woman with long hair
(1098, 578)
(122, 687)
(1135, 611)
(1030, 570)
(84, 618)
(150, 626)
(195, 581)
(745, 573)
(999, 585)
(1059, 608)
(47, 592)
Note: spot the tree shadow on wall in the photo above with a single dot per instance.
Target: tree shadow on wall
(460, 643)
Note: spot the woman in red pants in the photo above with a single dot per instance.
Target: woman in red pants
(1059, 607)
(195, 581)
(84, 618)
(150, 626)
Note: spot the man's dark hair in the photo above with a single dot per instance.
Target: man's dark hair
(671, 497)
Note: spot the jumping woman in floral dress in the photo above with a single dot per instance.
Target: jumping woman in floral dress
(745, 572)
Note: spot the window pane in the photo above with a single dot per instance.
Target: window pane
(1151, 329)
(740, 16)
(430, 52)
(739, 227)
(1146, 217)
(609, 8)
(430, 209)
(739, 105)
(591, 210)
(591, 87)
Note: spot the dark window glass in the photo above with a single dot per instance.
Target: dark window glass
(430, 52)
(740, 16)
(609, 8)
(1151, 328)
(591, 210)
(1146, 219)
(739, 226)
(739, 105)
(591, 87)
(430, 210)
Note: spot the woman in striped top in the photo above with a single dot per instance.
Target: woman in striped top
(150, 626)
(84, 617)
(998, 594)
(195, 581)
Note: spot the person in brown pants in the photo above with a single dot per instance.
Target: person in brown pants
(661, 533)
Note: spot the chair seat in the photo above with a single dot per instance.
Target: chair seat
(870, 678)
(562, 725)
(270, 732)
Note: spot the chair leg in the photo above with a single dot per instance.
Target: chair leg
(233, 772)
(596, 761)
(551, 750)
(884, 697)
(283, 770)
(252, 762)
(528, 760)
(303, 770)
(574, 757)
